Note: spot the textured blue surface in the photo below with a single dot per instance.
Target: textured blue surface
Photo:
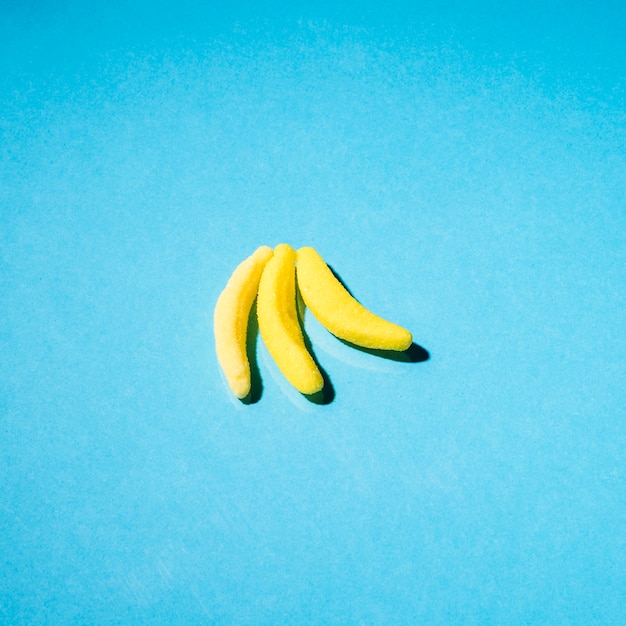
(463, 170)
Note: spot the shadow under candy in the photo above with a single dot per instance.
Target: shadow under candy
(252, 337)
(327, 393)
(413, 354)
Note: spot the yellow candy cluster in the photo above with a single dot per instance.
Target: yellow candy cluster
(271, 276)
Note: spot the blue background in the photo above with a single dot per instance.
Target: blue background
(463, 168)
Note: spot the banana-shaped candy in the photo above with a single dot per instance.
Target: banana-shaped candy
(279, 325)
(339, 312)
(230, 321)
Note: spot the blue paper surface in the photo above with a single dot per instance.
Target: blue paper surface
(462, 169)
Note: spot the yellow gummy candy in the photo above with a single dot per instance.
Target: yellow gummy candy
(279, 325)
(230, 320)
(339, 312)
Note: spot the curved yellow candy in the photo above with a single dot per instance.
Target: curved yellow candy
(230, 320)
(339, 312)
(279, 325)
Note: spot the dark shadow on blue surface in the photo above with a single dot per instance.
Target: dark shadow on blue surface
(336, 275)
(256, 384)
(327, 393)
(413, 354)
